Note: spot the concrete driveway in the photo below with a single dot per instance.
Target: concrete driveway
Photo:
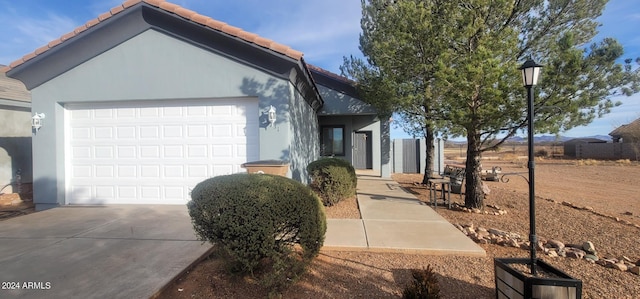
(96, 251)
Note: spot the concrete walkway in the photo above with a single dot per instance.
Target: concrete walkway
(134, 251)
(96, 252)
(395, 220)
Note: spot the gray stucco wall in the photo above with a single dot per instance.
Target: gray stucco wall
(305, 138)
(15, 146)
(340, 103)
(151, 66)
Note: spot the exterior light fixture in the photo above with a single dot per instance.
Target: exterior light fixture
(36, 121)
(271, 114)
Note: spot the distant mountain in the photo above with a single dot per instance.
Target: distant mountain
(542, 139)
(601, 137)
(553, 138)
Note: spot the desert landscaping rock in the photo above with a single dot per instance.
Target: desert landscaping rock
(555, 244)
(619, 266)
(574, 253)
(624, 259)
(551, 248)
(588, 247)
(591, 257)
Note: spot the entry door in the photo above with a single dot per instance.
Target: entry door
(362, 158)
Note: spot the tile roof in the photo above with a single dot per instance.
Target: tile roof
(12, 89)
(330, 74)
(632, 129)
(172, 8)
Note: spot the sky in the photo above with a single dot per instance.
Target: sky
(324, 30)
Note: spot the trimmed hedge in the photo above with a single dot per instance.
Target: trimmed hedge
(333, 179)
(258, 217)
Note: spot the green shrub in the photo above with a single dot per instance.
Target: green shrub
(257, 219)
(423, 286)
(333, 179)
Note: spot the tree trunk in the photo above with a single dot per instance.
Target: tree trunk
(474, 196)
(428, 163)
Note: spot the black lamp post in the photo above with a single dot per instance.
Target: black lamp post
(511, 282)
(530, 73)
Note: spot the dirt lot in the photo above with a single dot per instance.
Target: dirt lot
(609, 188)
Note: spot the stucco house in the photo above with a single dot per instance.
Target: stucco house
(150, 98)
(15, 136)
(629, 133)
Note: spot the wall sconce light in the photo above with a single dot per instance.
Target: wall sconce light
(272, 115)
(36, 121)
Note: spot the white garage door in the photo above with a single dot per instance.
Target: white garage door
(155, 153)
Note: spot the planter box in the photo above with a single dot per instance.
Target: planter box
(275, 167)
(550, 282)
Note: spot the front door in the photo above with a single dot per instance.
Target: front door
(362, 158)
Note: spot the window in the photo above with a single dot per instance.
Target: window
(332, 143)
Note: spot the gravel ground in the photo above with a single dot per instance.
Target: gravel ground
(363, 274)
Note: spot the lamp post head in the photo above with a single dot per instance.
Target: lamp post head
(530, 73)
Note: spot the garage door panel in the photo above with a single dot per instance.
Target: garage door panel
(80, 152)
(149, 132)
(105, 192)
(195, 131)
(81, 194)
(127, 171)
(222, 151)
(150, 153)
(126, 152)
(173, 193)
(152, 112)
(127, 193)
(172, 131)
(172, 111)
(128, 132)
(125, 113)
(222, 169)
(197, 111)
(196, 151)
(103, 113)
(173, 151)
(104, 152)
(103, 133)
(197, 171)
(81, 133)
(150, 172)
(104, 171)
